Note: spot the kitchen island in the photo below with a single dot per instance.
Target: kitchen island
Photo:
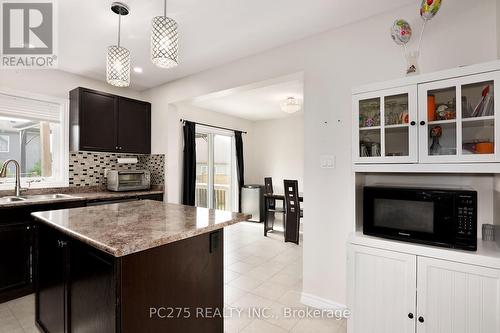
(141, 266)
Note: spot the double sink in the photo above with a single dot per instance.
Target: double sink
(35, 198)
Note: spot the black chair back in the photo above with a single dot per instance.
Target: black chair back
(292, 211)
(268, 189)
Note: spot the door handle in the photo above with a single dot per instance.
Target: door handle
(421, 319)
(422, 123)
(410, 315)
(413, 123)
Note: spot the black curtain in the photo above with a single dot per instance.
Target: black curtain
(239, 164)
(189, 167)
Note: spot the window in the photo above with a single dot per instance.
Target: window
(216, 181)
(4, 143)
(34, 132)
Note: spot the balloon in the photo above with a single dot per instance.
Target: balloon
(429, 9)
(401, 32)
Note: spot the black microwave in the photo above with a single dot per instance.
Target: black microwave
(442, 217)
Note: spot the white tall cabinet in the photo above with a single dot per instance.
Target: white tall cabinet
(424, 127)
(390, 291)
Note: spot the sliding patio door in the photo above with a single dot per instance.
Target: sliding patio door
(216, 180)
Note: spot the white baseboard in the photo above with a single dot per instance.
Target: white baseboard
(321, 303)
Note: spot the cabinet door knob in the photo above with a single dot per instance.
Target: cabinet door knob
(422, 123)
(410, 315)
(413, 123)
(421, 319)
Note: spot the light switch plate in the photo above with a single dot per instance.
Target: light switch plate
(327, 162)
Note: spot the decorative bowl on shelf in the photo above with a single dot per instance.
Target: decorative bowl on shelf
(485, 148)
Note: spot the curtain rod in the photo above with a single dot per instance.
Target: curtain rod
(224, 128)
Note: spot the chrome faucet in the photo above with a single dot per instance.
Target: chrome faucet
(3, 174)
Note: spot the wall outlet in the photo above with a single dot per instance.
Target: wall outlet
(327, 162)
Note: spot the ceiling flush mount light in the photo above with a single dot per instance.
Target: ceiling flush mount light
(164, 41)
(291, 105)
(118, 57)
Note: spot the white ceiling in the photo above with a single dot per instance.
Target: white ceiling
(211, 32)
(255, 103)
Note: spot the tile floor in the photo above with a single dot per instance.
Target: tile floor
(18, 316)
(261, 273)
(266, 272)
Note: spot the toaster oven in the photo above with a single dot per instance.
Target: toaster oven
(129, 180)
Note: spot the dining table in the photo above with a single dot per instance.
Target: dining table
(268, 197)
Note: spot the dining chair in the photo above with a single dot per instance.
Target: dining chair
(270, 206)
(293, 212)
(268, 189)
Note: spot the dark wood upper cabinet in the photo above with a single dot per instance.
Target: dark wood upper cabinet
(134, 124)
(104, 122)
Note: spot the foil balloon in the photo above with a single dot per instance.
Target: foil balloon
(429, 9)
(401, 32)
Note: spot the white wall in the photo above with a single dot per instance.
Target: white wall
(56, 83)
(334, 62)
(276, 149)
(173, 139)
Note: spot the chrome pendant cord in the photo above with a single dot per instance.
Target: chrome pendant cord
(119, 28)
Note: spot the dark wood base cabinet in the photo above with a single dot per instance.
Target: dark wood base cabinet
(176, 287)
(17, 250)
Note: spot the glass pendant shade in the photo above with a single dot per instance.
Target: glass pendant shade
(118, 66)
(291, 105)
(164, 42)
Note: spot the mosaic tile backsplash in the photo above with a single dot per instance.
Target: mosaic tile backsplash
(87, 168)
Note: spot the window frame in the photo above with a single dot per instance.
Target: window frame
(62, 178)
(8, 144)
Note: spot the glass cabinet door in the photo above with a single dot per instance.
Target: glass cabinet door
(458, 132)
(369, 128)
(478, 120)
(396, 126)
(441, 120)
(386, 131)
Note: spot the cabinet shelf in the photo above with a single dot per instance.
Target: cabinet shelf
(369, 128)
(396, 126)
(446, 121)
(472, 119)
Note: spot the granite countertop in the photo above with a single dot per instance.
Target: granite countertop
(125, 228)
(76, 194)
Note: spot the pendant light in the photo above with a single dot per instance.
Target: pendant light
(164, 41)
(118, 57)
(291, 105)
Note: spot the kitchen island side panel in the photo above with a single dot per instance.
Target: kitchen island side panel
(176, 287)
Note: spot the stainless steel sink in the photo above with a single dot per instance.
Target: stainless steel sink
(37, 197)
(12, 199)
(48, 196)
